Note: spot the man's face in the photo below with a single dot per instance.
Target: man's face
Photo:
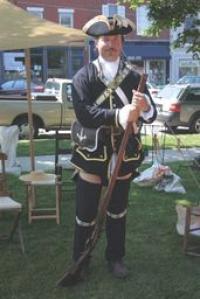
(109, 46)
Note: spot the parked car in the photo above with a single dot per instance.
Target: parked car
(189, 80)
(153, 89)
(19, 87)
(51, 109)
(57, 87)
(179, 105)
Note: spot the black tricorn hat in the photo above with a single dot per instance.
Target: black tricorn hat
(102, 25)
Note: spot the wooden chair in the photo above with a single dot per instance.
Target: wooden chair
(60, 149)
(188, 226)
(35, 181)
(192, 231)
(9, 205)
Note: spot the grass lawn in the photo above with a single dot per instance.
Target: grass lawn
(47, 146)
(158, 268)
(41, 146)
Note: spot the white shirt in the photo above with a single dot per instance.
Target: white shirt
(109, 68)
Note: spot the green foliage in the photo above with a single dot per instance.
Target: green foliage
(171, 14)
(133, 4)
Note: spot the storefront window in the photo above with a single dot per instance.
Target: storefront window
(76, 59)
(156, 70)
(57, 62)
(37, 63)
(46, 63)
(13, 62)
(189, 67)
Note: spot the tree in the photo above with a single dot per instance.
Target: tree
(171, 14)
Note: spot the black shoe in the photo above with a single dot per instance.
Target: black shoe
(118, 269)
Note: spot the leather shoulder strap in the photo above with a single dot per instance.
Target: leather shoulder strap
(114, 84)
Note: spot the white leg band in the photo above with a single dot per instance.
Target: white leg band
(85, 224)
(117, 216)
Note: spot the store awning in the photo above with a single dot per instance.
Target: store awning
(147, 50)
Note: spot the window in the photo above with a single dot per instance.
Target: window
(8, 85)
(109, 10)
(193, 96)
(13, 62)
(156, 69)
(19, 85)
(66, 17)
(76, 59)
(142, 20)
(190, 24)
(36, 11)
(37, 63)
(57, 63)
(188, 67)
(67, 88)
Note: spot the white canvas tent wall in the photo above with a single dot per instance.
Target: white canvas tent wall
(20, 30)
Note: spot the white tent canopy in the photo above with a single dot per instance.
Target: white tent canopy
(21, 30)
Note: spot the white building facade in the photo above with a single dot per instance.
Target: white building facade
(182, 62)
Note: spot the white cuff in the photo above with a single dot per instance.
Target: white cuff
(117, 118)
(149, 114)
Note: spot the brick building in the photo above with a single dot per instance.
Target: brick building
(150, 54)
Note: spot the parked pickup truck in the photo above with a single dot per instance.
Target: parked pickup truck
(52, 109)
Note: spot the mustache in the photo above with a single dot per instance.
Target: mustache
(111, 49)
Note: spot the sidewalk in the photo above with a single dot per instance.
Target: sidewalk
(48, 162)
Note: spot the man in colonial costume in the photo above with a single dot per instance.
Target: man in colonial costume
(103, 93)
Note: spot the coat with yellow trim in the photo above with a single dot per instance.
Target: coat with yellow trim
(87, 87)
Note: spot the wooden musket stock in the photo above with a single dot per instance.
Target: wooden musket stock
(69, 277)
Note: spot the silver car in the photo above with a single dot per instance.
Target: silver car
(189, 80)
(179, 105)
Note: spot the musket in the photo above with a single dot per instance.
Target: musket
(70, 276)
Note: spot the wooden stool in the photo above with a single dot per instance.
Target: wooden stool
(33, 182)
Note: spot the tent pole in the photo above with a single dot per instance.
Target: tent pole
(30, 113)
